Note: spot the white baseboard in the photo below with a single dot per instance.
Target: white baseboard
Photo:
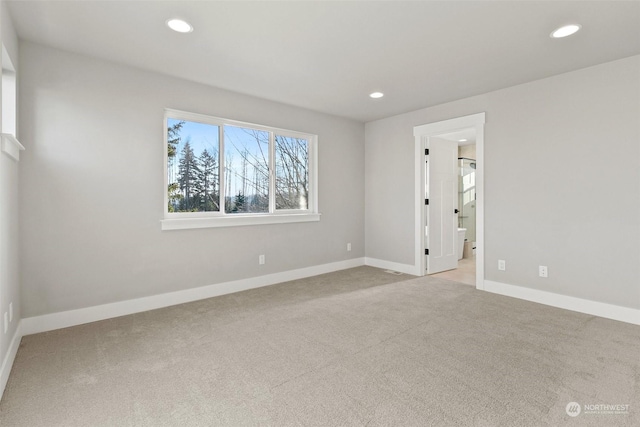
(608, 311)
(65, 319)
(7, 363)
(390, 265)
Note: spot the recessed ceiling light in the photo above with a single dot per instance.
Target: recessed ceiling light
(179, 25)
(565, 31)
(376, 95)
(462, 140)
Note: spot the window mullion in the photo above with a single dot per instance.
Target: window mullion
(221, 170)
(272, 174)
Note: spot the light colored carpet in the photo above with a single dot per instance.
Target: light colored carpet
(352, 348)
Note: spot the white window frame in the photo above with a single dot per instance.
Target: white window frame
(187, 220)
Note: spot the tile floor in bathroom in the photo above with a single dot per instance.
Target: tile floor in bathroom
(465, 273)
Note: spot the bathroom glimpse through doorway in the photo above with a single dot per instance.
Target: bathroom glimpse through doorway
(466, 234)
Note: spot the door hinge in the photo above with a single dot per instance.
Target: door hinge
(426, 251)
(426, 151)
(426, 201)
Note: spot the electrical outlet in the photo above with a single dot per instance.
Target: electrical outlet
(502, 265)
(261, 259)
(6, 322)
(348, 247)
(10, 312)
(543, 271)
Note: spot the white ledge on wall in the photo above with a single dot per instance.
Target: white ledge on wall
(11, 146)
(236, 221)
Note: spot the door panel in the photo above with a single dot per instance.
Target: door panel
(442, 219)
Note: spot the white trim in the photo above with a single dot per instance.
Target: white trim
(11, 146)
(65, 319)
(601, 309)
(9, 358)
(272, 172)
(422, 134)
(7, 63)
(450, 125)
(390, 265)
(221, 121)
(419, 213)
(480, 205)
(235, 221)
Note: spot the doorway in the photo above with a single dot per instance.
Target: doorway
(457, 129)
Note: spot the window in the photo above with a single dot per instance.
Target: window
(223, 172)
(292, 172)
(8, 94)
(246, 170)
(9, 144)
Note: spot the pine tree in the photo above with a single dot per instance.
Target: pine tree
(173, 140)
(207, 184)
(239, 205)
(175, 197)
(188, 177)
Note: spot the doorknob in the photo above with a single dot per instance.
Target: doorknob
(456, 211)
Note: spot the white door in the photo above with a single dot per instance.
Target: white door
(442, 207)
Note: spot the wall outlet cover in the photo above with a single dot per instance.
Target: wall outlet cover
(543, 271)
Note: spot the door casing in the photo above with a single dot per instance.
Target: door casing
(422, 134)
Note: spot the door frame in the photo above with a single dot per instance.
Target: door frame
(422, 134)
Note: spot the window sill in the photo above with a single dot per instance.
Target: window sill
(11, 146)
(236, 221)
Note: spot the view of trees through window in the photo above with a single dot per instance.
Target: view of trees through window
(192, 166)
(199, 163)
(246, 170)
(292, 172)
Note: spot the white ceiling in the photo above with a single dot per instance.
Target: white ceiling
(329, 55)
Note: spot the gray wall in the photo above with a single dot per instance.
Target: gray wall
(562, 182)
(9, 240)
(92, 187)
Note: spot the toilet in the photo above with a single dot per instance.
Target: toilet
(461, 233)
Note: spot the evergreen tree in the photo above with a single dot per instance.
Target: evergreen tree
(239, 205)
(188, 177)
(173, 140)
(207, 184)
(175, 198)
